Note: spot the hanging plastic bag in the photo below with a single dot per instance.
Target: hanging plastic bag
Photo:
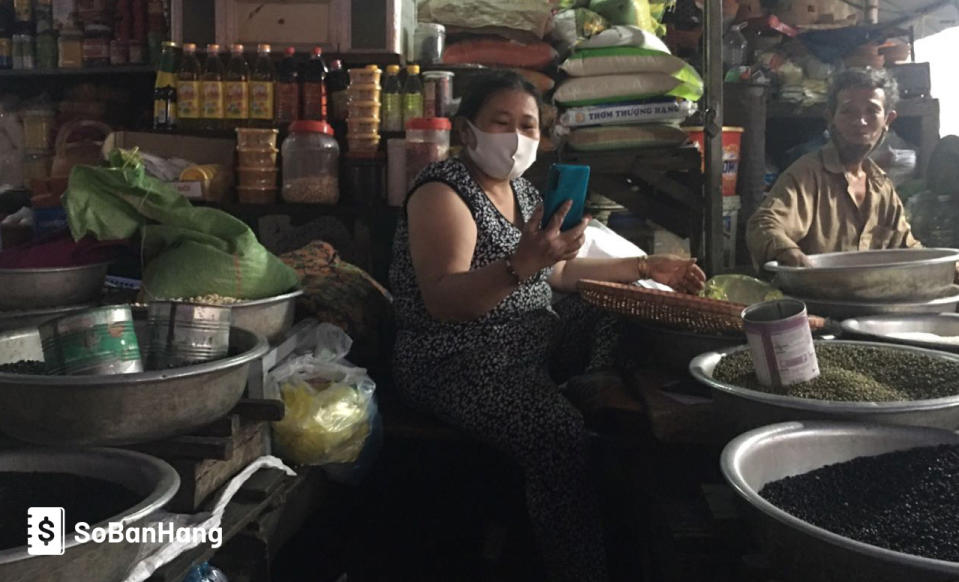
(331, 416)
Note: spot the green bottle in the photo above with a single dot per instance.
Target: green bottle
(412, 95)
(391, 116)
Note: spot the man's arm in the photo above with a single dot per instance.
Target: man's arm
(783, 219)
(903, 229)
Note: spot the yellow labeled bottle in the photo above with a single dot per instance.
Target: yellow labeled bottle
(236, 88)
(211, 88)
(188, 88)
(261, 88)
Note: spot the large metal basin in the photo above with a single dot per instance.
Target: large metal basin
(945, 303)
(882, 328)
(154, 479)
(21, 318)
(51, 287)
(271, 317)
(873, 276)
(746, 409)
(800, 551)
(119, 409)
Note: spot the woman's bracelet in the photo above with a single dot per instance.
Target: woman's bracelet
(512, 271)
(642, 265)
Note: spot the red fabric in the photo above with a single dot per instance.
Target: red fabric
(59, 250)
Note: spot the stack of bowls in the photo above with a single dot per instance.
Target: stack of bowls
(256, 165)
(363, 120)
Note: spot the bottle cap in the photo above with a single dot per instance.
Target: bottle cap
(430, 123)
(212, 48)
(189, 47)
(263, 48)
(413, 69)
(372, 68)
(237, 48)
(336, 65)
(317, 51)
(392, 69)
(169, 44)
(304, 126)
(290, 51)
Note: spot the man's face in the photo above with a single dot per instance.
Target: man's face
(861, 117)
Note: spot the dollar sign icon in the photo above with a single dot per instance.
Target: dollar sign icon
(46, 531)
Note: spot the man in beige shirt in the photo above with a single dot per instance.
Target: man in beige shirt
(836, 199)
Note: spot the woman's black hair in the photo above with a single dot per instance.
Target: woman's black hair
(484, 85)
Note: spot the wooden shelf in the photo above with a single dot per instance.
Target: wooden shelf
(81, 71)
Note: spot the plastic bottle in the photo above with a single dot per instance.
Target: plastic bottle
(314, 87)
(211, 88)
(391, 114)
(188, 88)
(261, 88)
(164, 90)
(412, 94)
(288, 89)
(236, 88)
(337, 83)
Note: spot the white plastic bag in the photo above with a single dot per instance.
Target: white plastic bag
(330, 411)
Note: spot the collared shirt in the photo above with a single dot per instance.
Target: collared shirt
(811, 208)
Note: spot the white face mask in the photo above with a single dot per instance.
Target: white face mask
(503, 156)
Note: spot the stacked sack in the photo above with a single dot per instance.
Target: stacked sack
(363, 110)
(625, 90)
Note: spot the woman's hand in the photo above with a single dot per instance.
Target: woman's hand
(681, 274)
(544, 247)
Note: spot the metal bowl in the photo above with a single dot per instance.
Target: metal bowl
(152, 478)
(271, 317)
(51, 287)
(119, 409)
(29, 318)
(946, 303)
(881, 328)
(872, 276)
(746, 409)
(801, 551)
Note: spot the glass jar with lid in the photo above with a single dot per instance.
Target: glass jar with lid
(311, 160)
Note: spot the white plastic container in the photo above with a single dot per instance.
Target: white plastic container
(427, 141)
(781, 342)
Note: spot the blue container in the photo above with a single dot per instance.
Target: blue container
(46, 220)
(566, 182)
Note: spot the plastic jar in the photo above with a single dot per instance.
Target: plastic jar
(37, 130)
(364, 92)
(369, 75)
(427, 141)
(311, 163)
(70, 46)
(438, 94)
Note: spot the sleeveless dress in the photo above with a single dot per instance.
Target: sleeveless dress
(489, 377)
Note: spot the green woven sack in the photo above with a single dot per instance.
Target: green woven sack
(186, 251)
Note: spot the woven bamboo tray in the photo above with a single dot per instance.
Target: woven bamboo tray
(675, 310)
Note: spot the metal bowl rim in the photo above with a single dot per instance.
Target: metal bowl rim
(697, 369)
(164, 490)
(951, 257)
(849, 325)
(46, 270)
(877, 304)
(258, 350)
(746, 440)
(16, 313)
(265, 300)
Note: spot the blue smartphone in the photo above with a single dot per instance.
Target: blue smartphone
(566, 182)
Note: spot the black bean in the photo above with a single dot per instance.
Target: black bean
(907, 501)
(856, 373)
(24, 367)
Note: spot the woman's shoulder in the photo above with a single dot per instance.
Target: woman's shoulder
(451, 171)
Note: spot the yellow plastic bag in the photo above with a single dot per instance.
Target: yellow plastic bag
(330, 410)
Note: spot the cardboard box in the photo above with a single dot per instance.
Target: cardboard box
(199, 150)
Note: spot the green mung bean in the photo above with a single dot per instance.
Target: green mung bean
(856, 373)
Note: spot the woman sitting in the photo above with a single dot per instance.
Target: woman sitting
(473, 275)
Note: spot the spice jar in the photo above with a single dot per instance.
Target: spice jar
(427, 141)
(311, 160)
(438, 94)
(96, 45)
(71, 49)
(37, 129)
